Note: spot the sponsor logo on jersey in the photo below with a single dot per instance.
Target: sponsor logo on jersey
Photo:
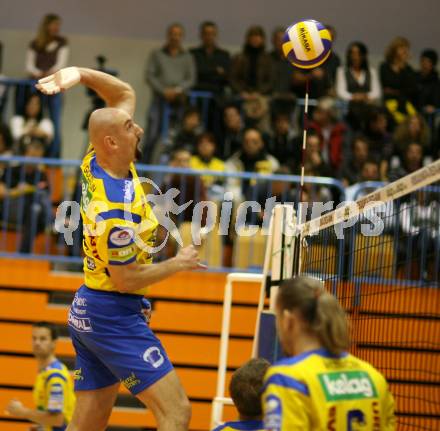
(90, 264)
(81, 324)
(154, 357)
(121, 237)
(348, 385)
(131, 381)
(272, 413)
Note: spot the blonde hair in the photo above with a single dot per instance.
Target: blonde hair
(43, 38)
(392, 48)
(319, 309)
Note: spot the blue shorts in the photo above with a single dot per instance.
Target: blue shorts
(113, 342)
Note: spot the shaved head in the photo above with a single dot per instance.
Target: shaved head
(104, 122)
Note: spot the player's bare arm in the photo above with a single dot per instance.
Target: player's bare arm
(116, 93)
(128, 278)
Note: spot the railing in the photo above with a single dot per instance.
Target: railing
(234, 225)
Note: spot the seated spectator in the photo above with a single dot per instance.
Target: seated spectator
(191, 128)
(369, 172)
(171, 74)
(252, 157)
(191, 187)
(26, 190)
(352, 166)
(233, 132)
(358, 84)
(283, 99)
(412, 129)
(32, 124)
(283, 145)
(330, 131)
(252, 77)
(49, 51)
(398, 80)
(245, 388)
(204, 159)
(428, 83)
(212, 63)
(313, 160)
(410, 161)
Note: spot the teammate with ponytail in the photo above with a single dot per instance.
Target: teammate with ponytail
(319, 386)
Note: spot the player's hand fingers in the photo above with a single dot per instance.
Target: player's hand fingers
(46, 79)
(201, 266)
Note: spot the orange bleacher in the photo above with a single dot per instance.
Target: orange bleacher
(189, 330)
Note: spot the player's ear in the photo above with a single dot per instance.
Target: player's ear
(109, 142)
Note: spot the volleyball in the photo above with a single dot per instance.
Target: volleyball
(307, 44)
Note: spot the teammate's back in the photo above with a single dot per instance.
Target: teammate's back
(320, 391)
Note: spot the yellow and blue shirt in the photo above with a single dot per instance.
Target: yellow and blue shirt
(318, 391)
(249, 425)
(119, 224)
(53, 392)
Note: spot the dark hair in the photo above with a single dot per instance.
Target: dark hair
(40, 114)
(255, 30)
(177, 150)
(360, 137)
(208, 136)
(191, 111)
(431, 55)
(53, 330)
(319, 309)
(6, 134)
(175, 24)
(363, 51)
(27, 141)
(246, 387)
(372, 161)
(205, 24)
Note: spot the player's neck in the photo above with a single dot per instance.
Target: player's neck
(44, 362)
(305, 343)
(116, 169)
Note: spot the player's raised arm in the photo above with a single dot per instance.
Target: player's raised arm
(116, 93)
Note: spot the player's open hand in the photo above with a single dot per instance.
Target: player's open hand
(15, 408)
(188, 258)
(59, 81)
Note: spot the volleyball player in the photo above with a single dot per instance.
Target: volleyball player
(319, 386)
(112, 340)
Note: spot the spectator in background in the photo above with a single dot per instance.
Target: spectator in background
(49, 51)
(413, 129)
(380, 140)
(330, 131)
(313, 160)
(410, 161)
(204, 159)
(252, 77)
(212, 63)
(2, 87)
(252, 157)
(233, 132)
(32, 124)
(428, 83)
(358, 84)
(191, 128)
(368, 172)
(333, 61)
(352, 166)
(245, 388)
(283, 99)
(398, 80)
(5, 144)
(283, 145)
(27, 190)
(171, 74)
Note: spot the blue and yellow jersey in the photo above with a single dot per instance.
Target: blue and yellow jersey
(250, 425)
(119, 224)
(318, 391)
(53, 392)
